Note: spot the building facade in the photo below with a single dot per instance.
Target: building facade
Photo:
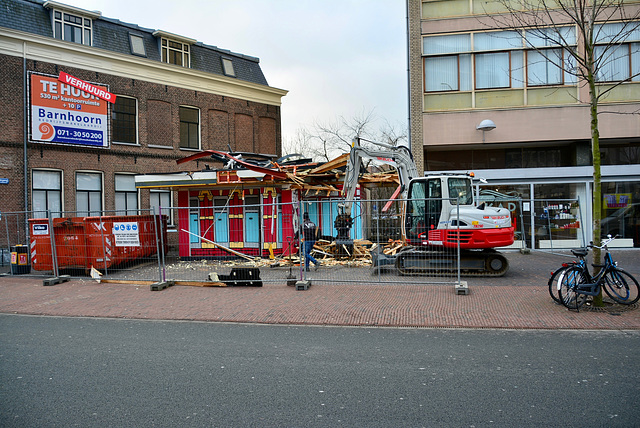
(69, 148)
(483, 100)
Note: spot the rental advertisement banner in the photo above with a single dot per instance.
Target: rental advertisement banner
(65, 114)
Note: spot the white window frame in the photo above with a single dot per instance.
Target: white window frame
(159, 193)
(90, 211)
(623, 54)
(543, 44)
(47, 192)
(127, 193)
(505, 44)
(170, 46)
(454, 48)
(60, 23)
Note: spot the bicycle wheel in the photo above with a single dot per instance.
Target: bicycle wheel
(621, 286)
(569, 283)
(554, 283)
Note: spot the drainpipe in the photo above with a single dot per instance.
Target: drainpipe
(25, 138)
(408, 80)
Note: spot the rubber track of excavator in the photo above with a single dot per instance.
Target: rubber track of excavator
(488, 263)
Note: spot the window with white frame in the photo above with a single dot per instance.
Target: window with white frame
(189, 128)
(174, 52)
(89, 193)
(46, 192)
(126, 194)
(617, 51)
(72, 28)
(161, 199)
(124, 120)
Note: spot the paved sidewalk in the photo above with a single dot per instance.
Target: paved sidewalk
(487, 306)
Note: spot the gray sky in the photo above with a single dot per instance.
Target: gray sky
(335, 57)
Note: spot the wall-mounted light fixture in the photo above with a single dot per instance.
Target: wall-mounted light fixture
(484, 126)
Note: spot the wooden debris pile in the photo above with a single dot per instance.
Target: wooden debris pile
(329, 253)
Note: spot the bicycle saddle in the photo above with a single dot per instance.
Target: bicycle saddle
(580, 252)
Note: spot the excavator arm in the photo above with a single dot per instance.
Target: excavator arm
(398, 157)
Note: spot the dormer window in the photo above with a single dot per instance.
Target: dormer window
(72, 24)
(137, 45)
(175, 49)
(227, 67)
(175, 53)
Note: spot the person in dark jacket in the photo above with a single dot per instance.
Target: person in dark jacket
(309, 231)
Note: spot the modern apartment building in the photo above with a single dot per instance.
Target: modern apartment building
(482, 100)
(88, 102)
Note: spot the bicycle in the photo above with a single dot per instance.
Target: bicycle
(577, 283)
(558, 274)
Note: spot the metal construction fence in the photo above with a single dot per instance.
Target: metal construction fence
(79, 244)
(253, 244)
(215, 241)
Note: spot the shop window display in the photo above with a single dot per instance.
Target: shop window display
(621, 211)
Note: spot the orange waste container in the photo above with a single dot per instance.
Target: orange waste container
(101, 242)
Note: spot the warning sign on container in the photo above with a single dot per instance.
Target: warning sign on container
(126, 234)
(40, 229)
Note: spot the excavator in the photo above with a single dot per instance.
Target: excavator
(439, 216)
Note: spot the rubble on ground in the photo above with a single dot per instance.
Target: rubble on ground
(327, 252)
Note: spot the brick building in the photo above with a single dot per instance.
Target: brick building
(173, 96)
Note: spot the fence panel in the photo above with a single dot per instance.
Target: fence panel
(12, 233)
(109, 246)
(216, 240)
(262, 241)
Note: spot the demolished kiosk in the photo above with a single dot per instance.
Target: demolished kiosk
(251, 203)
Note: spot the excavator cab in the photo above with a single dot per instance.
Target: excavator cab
(441, 213)
(424, 208)
(431, 200)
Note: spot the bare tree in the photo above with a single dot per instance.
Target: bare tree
(298, 144)
(325, 141)
(583, 38)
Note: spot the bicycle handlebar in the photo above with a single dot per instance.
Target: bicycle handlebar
(603, 244)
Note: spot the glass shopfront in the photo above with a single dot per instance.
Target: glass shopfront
(546, 215)
(621, 211)
(556, 215)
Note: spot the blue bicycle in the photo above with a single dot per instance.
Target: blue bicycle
(558, 274)
(576, 283)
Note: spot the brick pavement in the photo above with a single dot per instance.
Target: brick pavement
(407, 305)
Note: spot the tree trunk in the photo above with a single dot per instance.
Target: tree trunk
(597, 188)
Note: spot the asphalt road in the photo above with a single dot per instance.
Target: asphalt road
(94, 372)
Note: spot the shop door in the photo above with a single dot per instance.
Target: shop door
(222, 227)
(252, 227)
(252, 222)
(194, 223)
(327, 220)
(194, 227)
